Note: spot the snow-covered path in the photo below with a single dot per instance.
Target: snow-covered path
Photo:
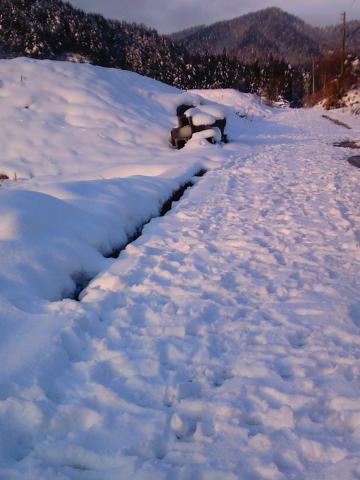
(224, 343)
(242, 306)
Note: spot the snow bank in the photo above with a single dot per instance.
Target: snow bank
(352, 100)
(49, 238)
(214, 111)
(243, 103)
(70, 133)
(82, 121)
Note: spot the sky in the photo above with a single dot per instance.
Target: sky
(172, 15)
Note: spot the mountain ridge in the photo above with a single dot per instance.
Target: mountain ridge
(271, 31)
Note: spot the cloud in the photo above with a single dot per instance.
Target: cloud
(172, 15)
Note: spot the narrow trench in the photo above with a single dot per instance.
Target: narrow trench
(348, 144)
(337, 122)
(354, 160)
(82, 281)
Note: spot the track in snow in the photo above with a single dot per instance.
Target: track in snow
(82, 281)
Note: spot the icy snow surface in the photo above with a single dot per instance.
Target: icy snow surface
(224, 343)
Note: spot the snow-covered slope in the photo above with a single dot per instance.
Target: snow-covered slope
(352, 100)
(67, 119)
(70, 134)
(224, 342)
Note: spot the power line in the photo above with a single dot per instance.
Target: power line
(351, 6)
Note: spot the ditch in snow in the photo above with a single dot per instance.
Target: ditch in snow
(82, 281)
(355, 161)
(347, 144)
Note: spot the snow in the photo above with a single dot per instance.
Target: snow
(243, 103)
(352, 100)
(200, 138)
(48, 237)
(97, 111)
(203, 119)
(85, 128)
(205, 114)
(215, 112)
(224, 342)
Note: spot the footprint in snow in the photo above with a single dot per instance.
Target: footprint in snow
(171, 396)
(298, 339)
(182, 427)
(218, 376)
(254, 425)
(284, 369)
(354, 312)
(318, 414)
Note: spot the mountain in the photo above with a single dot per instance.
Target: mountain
(331, 35)
(54, 29)
(271, 31)
(183, 34)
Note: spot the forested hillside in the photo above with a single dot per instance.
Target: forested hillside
(51, 28)
(54, 29)
(267, 32)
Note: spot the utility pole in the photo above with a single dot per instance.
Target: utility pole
(343, 56)
(313, 77)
